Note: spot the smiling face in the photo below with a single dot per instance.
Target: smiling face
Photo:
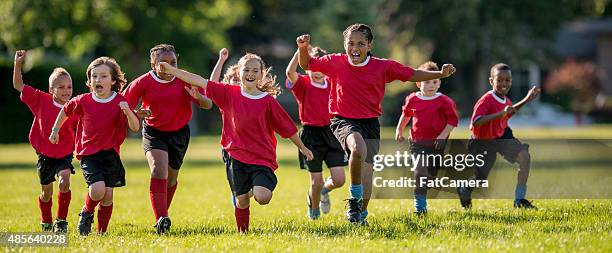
(164, 56)
(101, 81)
(250, 73)
(501, 80)
(357, 46)
(61, 88)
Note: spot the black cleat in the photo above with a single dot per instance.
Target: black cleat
(354, 210)
(60, 226)
(464, 198)
(523, 203)
(46, 227)
(162, 225)
(85, 221)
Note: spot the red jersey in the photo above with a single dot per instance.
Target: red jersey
(249, 123)
(102, 125)
(45, 111)
(169, 102)
(430, 115)
(357, 90)
(312, 99)
(490, 103)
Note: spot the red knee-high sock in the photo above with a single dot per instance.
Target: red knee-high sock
(63, 201)
(104, 215)
(90, 204)
(170, 194)
(242, 219)
(45, 210)
(157, 193)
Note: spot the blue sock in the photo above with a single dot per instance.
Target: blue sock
(520, 191)
(420, 202)
(325, 191)
(314, 214)
(356, 191)
(364, 214)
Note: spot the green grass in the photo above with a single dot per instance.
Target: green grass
(203, 219)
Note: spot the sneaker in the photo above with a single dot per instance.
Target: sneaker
(162, 225)
(421, 213)
(85, 221)
(324, 204)
(465, 199)
(46, 227)
(60, 226)
(354, 210)
(523, 203)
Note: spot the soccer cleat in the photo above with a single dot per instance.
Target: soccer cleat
(46, 227)
(465, 199)
(312, 215)
(60, 226)
(421, 213)
(85, 221)
(354, 210)
(324, 203)
(162, 225)
(523, 203)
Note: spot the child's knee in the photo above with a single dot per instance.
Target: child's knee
(316, 182)
(242, 201)
(338, 181)
(524, 157)
(97, 191)
(64, 182)
(263, 197)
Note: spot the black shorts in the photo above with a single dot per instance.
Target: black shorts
(508, 146)
(324, 146)
(104, 166)
(424, 150)
(242, 176)
(174, 142)
(49, 167)
(368, 128)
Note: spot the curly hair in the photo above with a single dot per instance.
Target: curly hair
(268, 83)
(231, 72)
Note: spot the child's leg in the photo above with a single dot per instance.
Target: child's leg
(158, 187)
(524, 160)
(420, 191)
(105, 211)
(262, 194)
(172, 184)
(358, 149)
(337, 179)
(242, 212)
(96, 193)
(45, 202)
(316, 185)
(64, 195)
(366, 180)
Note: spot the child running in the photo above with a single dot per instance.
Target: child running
(104, 115)
(491, 135)
(53, 159)
(251, 115)
(165, 132)
(358, 82)
(312, 94)
(434, 116)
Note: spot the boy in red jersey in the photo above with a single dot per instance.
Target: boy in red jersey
(104, 116)
(53, 159)
(491, 134)
(312, 94)
(358, 82)
(434, 116)
(251, 115)
(165, 133)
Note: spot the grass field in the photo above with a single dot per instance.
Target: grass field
(203, 219)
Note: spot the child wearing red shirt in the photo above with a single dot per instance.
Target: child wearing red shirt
(53, 159)
(104, 116)
(434, 116)
(491, 135)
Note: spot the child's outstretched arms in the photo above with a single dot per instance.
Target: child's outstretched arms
(133, 121)
(18, 64)
(531, 95)
(291, 70)
(59, 121)
(186, 76)
(401, 125)
(425, 75)
(216, 74)
(298, 143)
(303, 42)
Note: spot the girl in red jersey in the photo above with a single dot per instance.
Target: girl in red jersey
(53, 159)
(358, 86)
(104, 116)
(250, 115)
(165, 133)
(312, 94)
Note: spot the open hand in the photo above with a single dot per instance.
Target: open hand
(306, 152)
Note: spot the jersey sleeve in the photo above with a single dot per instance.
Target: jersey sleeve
(217, 92)
(450, 112)
(322, 64)
(480, 109)
(407, 109)
(30, 96)
(299, 88)
(280, 121)
(397, 71)
(133, 93)
(72, 108)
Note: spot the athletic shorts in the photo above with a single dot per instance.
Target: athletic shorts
(324, 146)
(243, 176)
(49, 167)
(368, 128)
(103, 166)
(173, 142)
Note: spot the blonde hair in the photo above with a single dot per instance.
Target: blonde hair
(268, 83)
(230, 73)
(430, 65)
(57, 72)
(117, 75)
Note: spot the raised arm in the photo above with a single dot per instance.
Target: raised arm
(291, 70)
(216, 74)
(59, 121)
(304, 57)
(531, 95)
(186, 76)
(425, 75)
(18, 64)
(133, 121)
